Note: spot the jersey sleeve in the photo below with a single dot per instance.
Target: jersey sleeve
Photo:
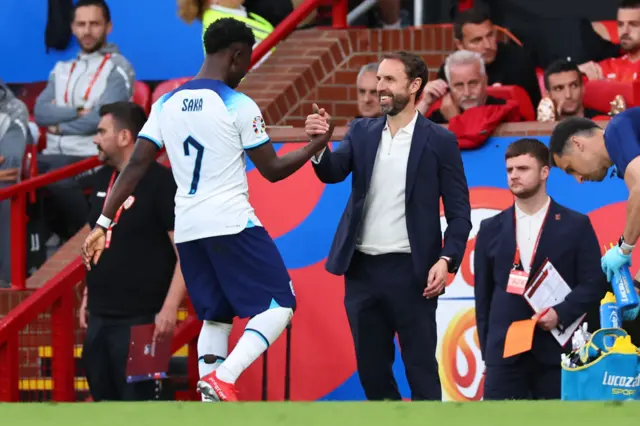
(151, 129)
(251, 125)
(622, 141)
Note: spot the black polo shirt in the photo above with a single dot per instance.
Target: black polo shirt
(133, 275)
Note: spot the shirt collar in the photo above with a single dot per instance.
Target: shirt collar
(408, 128)
(241, 11)
(521, 215)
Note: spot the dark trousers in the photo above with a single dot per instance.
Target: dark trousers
(383, 297)
(526, 378)
(104, 355)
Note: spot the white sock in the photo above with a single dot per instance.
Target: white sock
(213, 340)
(261, 331)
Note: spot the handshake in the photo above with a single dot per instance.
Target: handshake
(319, 127)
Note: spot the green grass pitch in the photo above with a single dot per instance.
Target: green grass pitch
(527, 413)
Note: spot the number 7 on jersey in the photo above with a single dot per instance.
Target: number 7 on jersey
(198, 163)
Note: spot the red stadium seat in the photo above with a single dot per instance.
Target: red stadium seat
(167, 86)
(515, 93)
(598, 94)
(142, 95)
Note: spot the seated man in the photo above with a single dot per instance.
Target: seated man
(69, 107)
(470, 112)
(563, 82)
(367, 86)
(14, 135)
(626, 67)
(505, 63)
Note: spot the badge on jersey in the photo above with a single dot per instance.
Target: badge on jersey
(259, 127)
(129, 202)
(517, 282)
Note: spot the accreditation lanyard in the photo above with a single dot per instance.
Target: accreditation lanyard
(91, 83)
(118, 213)
(518, 278)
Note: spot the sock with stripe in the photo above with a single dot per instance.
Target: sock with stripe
(213, 347)
(261, 331)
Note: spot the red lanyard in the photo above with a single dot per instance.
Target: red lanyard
(91, 83)
(516, 259)
(118, 213)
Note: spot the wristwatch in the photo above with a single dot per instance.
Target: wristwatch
(626, 248)
(451, 267)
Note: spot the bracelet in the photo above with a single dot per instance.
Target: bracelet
(103, 221)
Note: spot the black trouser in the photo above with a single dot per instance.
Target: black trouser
(526, 378)
(383, 297)
(104, 355)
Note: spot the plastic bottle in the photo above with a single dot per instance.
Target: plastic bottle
(625, 293)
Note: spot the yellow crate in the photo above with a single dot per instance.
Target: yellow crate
(38, 384)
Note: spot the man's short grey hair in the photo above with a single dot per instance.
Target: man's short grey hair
(463, 57)
(371, 67)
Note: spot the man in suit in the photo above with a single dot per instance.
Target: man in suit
(388, 244)
(515, 243)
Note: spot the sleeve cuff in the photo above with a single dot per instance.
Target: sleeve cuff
(318, 157)
(150, 139)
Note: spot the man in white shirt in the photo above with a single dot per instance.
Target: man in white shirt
(389, 243)
(510, 248)
(230, 264)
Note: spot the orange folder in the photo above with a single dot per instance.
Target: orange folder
(519, 337)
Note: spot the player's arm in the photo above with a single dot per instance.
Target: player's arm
(632, 179)
(258, 146)
(143, 154)
(275, 168)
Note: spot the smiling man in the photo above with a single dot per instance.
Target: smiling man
(389, 243)
(584, 150)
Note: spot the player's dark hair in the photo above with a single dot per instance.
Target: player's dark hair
(222, 33)
(564, 130)
(629, 4)
(127, 115)
(528, 146)
(414, 66)
(99, 3)
(475, 15)
(558, 66)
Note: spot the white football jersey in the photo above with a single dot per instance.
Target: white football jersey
(206, 126)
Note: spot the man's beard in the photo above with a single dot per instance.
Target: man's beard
(528, 193)
(398, 103)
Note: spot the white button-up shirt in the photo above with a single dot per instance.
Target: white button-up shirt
(527, 230)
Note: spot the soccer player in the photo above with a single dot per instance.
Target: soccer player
(230, 264)
(582, 149)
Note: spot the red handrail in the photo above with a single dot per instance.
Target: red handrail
(18, 195)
